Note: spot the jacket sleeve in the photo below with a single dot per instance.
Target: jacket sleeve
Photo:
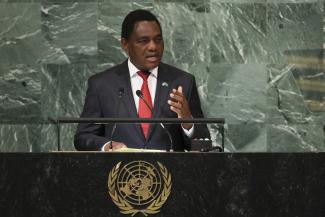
(200, 130)
(89, 136)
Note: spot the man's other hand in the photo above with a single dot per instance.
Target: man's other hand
(116, 146)
(179, 105)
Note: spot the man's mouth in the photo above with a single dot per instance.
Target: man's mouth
(154, 58)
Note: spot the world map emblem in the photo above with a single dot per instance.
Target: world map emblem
(139, 187)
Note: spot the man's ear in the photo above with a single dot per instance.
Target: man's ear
(124, 44)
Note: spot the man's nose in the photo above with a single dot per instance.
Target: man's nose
(152, 45)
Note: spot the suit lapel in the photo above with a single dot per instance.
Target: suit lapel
(162, 91)
(126, 84)
(161, 96)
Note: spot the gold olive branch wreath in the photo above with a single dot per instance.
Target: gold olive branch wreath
(125, 207)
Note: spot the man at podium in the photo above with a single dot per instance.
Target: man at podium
(140, 87)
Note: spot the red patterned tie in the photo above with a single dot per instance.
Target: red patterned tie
(144, 111)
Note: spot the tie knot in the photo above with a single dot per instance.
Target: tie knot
(144, 74)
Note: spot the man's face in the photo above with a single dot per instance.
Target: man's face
(145, 46)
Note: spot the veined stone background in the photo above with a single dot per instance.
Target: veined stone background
(258, 63)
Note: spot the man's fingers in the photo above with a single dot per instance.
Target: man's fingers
(118, 145)
(178, 103)
(177, 97)
(176, 110)
(175, 104)
(179, 91)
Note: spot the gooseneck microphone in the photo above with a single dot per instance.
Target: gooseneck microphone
(120, 93)
(140, 95)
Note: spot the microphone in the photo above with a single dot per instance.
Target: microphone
(120, 93)
(140, 95)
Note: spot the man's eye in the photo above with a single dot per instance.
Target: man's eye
(157, 40)
(143, 41)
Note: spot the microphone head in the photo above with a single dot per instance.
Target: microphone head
(139, 93)
(120, 91)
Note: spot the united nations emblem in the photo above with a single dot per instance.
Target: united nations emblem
(139, 187)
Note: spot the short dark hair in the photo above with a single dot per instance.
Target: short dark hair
(133, 17)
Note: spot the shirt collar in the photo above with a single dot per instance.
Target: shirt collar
(133, 70)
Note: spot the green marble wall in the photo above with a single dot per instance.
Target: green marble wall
(258, 63)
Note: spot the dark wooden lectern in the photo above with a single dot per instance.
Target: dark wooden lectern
(202, 184)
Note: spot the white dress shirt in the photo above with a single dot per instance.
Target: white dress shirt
(136, 83)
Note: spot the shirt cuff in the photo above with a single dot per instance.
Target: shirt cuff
(103, 147)
(189, 133)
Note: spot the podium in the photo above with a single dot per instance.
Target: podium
(201, 184)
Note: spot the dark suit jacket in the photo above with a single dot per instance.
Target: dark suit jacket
(102, 101)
